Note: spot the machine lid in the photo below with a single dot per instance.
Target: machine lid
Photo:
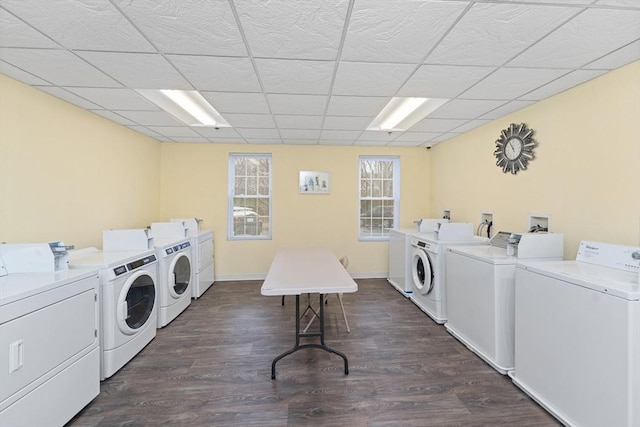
(484, 253)
(619, 283)
(95, 258)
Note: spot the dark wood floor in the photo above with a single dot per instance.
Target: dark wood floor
(212, 367)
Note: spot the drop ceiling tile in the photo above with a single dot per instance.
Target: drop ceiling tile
(16, 33)
(237, 102)
(340, 135)
(259, 133)
(346, 123)
(371, 79)
(150, 118)
(187, 27)
(621, 3)
(213, 133)
(295, 76)
(374, 135)
(506, 109)
(511, 83)
(113, 117)
(397, 31)
(305, 134)
(618, 58)
(437, 125)
(587, 37)
(214, 73)
(114, 98)
(297, 104)
(59, 67)
(293, 29)
(465, 108)
(72, 98)
(102, 26)
(20, 75)
(563, 83)
(471, 124)
(491, 34)
(175, 131)
(137, 70)
(366, 106)
(417, 136)
(298, 122)
(443, 81)
(264, 121)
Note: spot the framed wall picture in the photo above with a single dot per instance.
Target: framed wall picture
(314, 182)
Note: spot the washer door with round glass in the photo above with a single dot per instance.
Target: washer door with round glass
(136, 302)
(422, 272)
(179, 276)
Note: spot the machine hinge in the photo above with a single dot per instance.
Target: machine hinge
(95, 333)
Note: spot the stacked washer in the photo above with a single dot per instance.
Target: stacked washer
(202, 244)
(428, 269)
(128, 302)
(577, 349)
(50, 363)
(480, 291)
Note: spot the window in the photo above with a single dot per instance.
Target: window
(379, 196)
(249, 212)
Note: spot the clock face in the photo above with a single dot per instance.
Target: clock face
(514, 148)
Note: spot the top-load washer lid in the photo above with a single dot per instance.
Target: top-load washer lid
(620, 283)
(94, 258)
(18, 286)
(490, 254)
(432, 238)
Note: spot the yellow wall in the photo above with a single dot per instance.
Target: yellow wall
(67, 174)
(586, 173)
(194, 183)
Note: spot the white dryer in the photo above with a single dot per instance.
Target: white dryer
(400, 260)
(49, 346)
(480, 292)
(128, 302)
(428, 268)
(577, 349)
(202, 252)
(174, 277)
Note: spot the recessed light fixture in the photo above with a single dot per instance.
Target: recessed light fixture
(401, 114)
(188, 106)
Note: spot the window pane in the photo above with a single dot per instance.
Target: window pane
(250, 202)
(378, 189)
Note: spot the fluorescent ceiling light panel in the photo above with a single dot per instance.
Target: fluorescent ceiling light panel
(401, 114)
(188, 106)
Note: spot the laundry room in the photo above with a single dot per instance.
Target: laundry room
(72, 170)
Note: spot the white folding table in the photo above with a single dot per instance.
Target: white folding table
(296, 271)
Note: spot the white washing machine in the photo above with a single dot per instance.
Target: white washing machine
(202, 252)
(49, 347)
(128, 302)
(428, 268)
(480, 285)
(174, 277)
(577, 331)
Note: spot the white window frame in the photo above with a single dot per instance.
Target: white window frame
(395, 197)
(231, 197)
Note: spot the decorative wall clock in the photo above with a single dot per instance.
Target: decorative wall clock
(514, 148)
